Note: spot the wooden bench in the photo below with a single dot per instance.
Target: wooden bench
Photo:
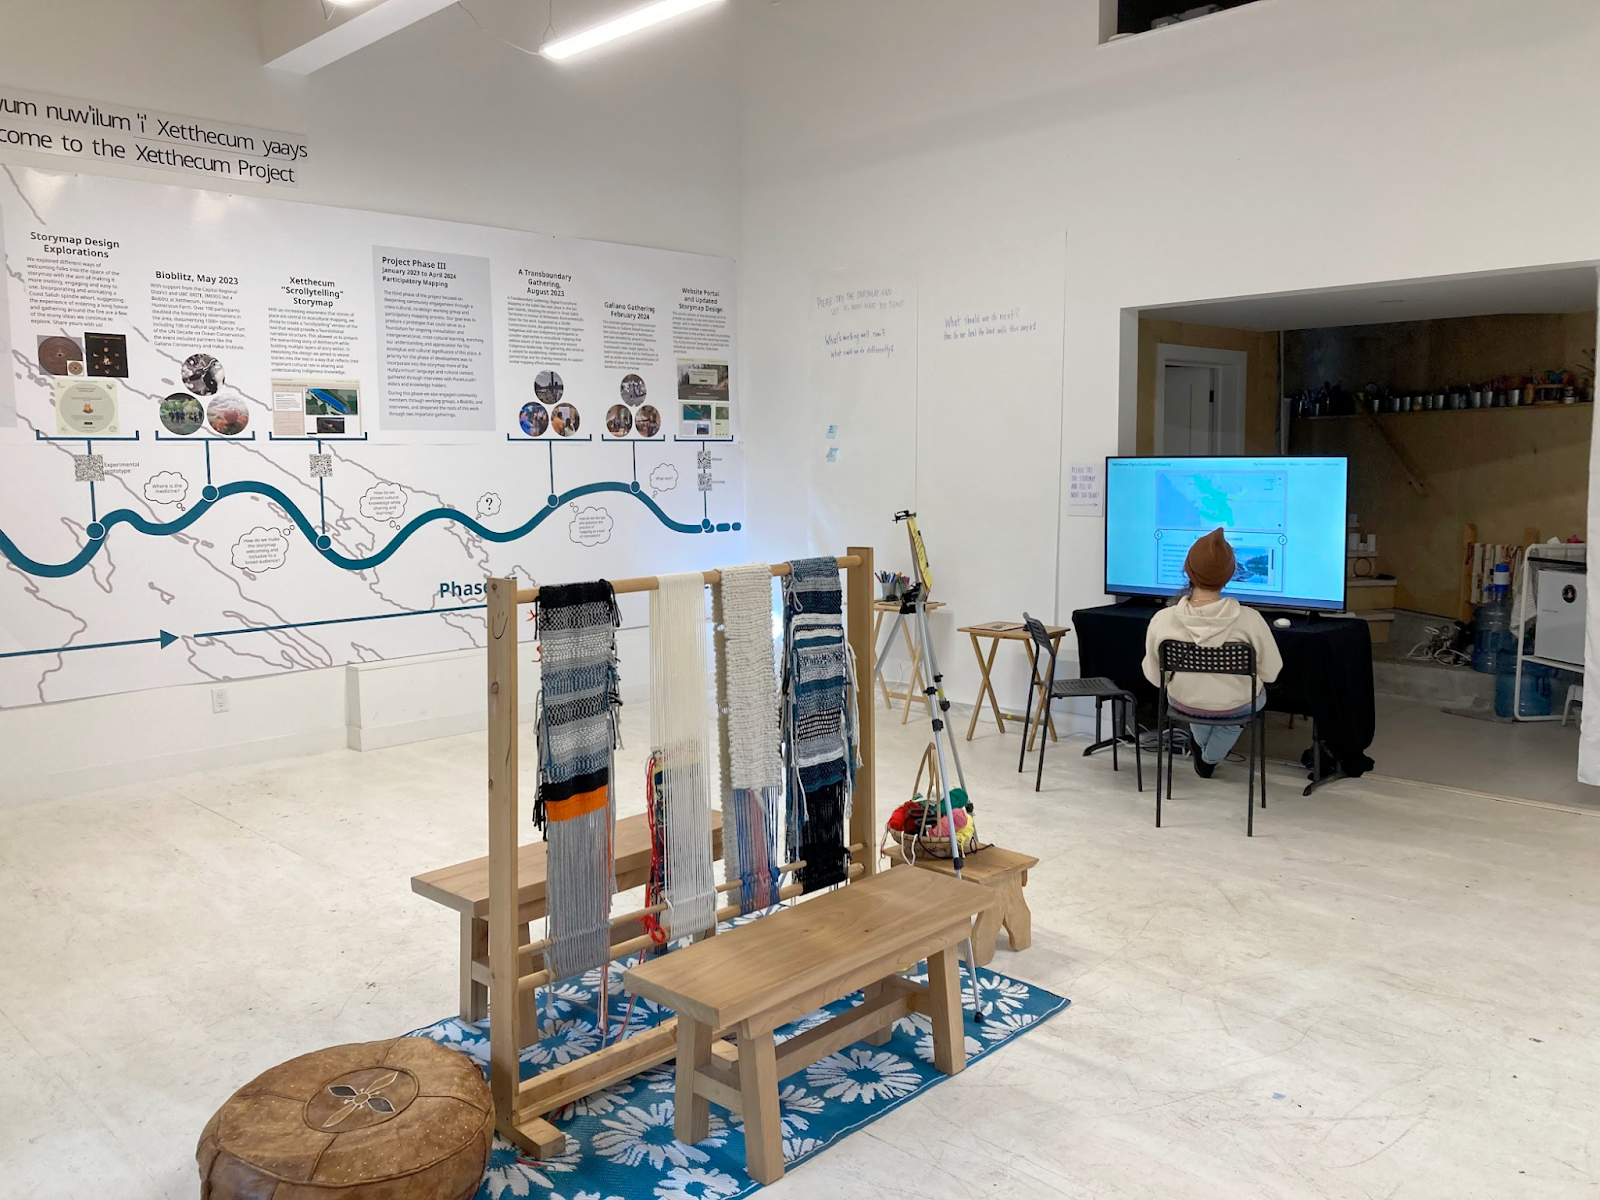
(465, 888)
(749, 980)
(1005, 871)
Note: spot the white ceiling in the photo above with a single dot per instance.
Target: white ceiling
(1550, 290)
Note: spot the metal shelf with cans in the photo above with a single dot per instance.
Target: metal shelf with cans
(1552, 389)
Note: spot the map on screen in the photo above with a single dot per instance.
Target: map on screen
(1284, 518)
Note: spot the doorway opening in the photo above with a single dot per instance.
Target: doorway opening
(1465, 409)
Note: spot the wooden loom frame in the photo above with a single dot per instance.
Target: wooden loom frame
(521, 1107)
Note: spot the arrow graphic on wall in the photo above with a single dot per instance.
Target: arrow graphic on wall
(211, 496)
(166, 639)
(421, 612)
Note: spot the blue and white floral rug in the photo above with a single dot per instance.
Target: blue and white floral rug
(620, 1144)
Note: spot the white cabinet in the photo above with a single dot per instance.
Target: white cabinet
(1562, 600)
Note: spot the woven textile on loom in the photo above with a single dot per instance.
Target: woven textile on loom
(819, 721)
(752, 762)
(576, 628)
(680, 735)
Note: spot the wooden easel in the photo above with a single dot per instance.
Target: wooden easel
(521, 1107)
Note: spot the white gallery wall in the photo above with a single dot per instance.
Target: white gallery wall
(1291, 144)
(438, 120)
(1287, 145)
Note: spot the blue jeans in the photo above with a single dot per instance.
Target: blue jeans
(1212, 742)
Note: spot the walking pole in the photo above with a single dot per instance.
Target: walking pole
(938, 710)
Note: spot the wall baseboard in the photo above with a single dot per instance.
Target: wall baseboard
(363, 706)
(71, 781)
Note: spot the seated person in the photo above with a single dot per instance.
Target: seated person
(1206, 617)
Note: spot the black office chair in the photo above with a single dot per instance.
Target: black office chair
(1124, 708)
(1233, 658)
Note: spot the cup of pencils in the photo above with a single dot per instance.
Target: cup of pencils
(893, 583)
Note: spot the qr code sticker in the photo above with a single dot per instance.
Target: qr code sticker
(322, 466)
(705, 481)
(703, 458)
(89, 468)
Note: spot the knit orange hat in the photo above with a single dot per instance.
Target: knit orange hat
(1210, 561)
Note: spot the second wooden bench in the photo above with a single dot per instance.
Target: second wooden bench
(749, 980)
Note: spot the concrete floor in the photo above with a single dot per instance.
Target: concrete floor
(1531, 760)
(1392, 991)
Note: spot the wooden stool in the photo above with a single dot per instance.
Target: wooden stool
(1006, 872)
(1006, 631)
(749, 980)
(405, 1119)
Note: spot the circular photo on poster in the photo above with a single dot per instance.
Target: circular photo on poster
(182, 414)
(548, 387)
(619, 421)
(633, 390)
(228, 416)
(648, 421)
(564, 419)
(56, 353)
(203, 375)
(534, 418)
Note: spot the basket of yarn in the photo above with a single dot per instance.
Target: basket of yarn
(923, 829)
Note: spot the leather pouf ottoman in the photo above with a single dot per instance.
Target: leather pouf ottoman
(405, 1119)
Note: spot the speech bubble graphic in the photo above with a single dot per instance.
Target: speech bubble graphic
(488, 504)
(261, 549)
(663, 479)
(589, 526)
(166, 487)
(383, 502)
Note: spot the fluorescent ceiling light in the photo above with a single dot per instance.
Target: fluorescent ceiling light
(619, 27)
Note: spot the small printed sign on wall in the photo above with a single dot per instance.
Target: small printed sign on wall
(1086, 492)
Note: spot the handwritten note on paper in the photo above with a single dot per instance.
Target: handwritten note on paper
(1086, 492)
(993, 323)
(857, 317)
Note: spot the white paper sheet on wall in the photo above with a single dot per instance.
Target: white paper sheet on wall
(8, 403)
(944, 380)
(863, 349)
(989, 467)
(1086, 490)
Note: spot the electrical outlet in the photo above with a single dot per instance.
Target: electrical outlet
(219, 700)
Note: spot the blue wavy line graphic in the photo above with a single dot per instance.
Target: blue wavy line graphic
(125, 516)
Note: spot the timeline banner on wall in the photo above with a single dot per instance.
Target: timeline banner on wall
(241, 436)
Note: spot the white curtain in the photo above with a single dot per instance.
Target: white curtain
(1589, 742)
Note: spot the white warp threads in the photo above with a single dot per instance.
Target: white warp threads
(756, 758)
(752, 766)
(680, 731)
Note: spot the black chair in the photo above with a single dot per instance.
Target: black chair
(1124, 708)
(1232, 658)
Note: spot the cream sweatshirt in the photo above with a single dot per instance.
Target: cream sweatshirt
(1213, 624)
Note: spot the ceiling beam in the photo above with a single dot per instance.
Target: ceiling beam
(302, 36)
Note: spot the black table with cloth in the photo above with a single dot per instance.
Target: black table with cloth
(1327, 672)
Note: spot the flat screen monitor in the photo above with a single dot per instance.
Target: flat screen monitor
(1284, 518)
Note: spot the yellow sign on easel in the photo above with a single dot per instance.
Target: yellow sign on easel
(920, 553)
